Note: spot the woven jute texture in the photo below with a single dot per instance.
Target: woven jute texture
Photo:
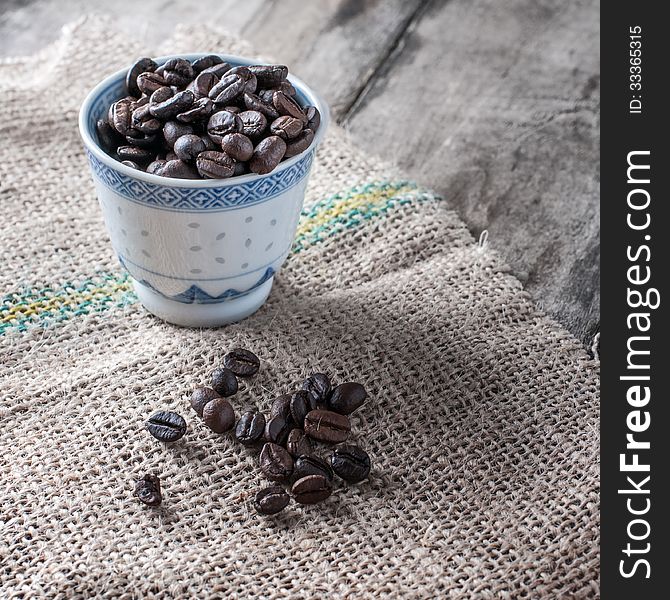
(482, 421)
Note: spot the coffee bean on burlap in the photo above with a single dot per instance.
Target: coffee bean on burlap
(142, 65)
(237, 146)
(267, 154)
(250, 428)
(281, 407)
(346, 398)
(214, 165)
(277, 430)
(201, 396)
(298, 443)
(166, 426)
(327, 426)
(218, 415)
(271, 500)
(224, 382)
(242, 362)
(299, 144)
(275, 462)
(309, 464)
(318, 388)
(148, 490)
(299, 406)
(311, 489)
(351, 463)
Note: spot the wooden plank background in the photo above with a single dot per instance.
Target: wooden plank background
(494, 104)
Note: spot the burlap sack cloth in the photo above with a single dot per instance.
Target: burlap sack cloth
(481, 423)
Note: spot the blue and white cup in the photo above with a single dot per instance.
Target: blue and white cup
(201, 253)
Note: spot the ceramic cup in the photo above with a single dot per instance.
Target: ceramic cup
(201, 253)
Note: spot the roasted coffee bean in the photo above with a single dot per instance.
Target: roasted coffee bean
(200, 397)
(155, 166)
(142, 140)
(299, 144)
(131, 164)
(149, 82)
(148, 490)
(178, 71)
(107, 135)
(166, 426)
(200, 111)
(298, 443)
(171, 107)
(208, 141)
(346, 398)
(275, 462)
(237, 146)
(266, 95)
(214, 165)
(178, 169)
(318, 388)
(311, 489)
(171, 156)
(161, 95)
(250, 428)
(313, 117)
(281, 407)
(205, 62)
(267, 154)
(219, 70)
(138, 155)
(308, 464)
(221, 123)
(269, 75)
(187, 147)
(139, 102)
(300, 406)
(228, 89)
(142, 65)
(236, 110)
(277, 430)
(286, 105)
(351, 463)
(286, 127)
(271, 500)
(253, 102)
(327, 426)
(224, 382)
(240, 169)
(254, 123)
(218, 415)
(120, 116)
(142, 120)
(249, 78)
(202, 84)
(242, 362)
(173, 130)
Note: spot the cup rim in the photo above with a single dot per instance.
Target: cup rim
(93, 147)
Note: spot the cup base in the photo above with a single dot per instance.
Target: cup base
(202, 315)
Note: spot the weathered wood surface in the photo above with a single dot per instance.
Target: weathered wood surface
(507, 96)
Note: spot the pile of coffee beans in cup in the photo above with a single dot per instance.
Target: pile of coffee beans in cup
(290, 435)
(206, 119)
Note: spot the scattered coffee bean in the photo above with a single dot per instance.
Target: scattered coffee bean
(299, 406)
(271, 500)
(298, 443)
(267, 154)
(327, 426)
(224, 382)
(200, 397)
(277, 430)
(275, 462)
(218, 415)
(237, 146)
(281, 407)
(311, 465)
(346, 398)
(166, 426)
(148, 490)
(142, 65)
(318, 388)
(250, 428)
(311, 489)
(351, 463)
(243, 363)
